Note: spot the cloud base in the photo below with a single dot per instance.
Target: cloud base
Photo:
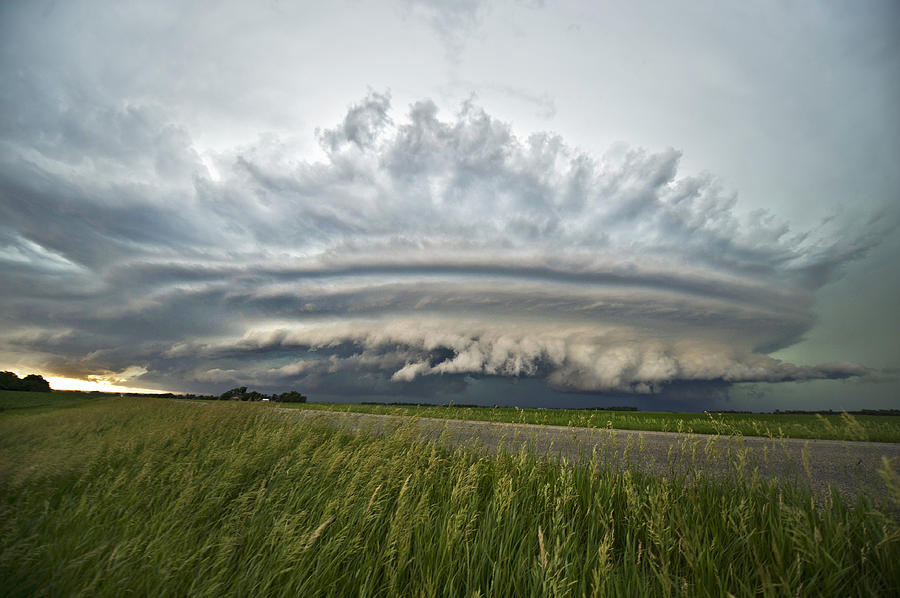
(416, 250)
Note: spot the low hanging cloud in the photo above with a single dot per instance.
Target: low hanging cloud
(419, 249)
(570, 357)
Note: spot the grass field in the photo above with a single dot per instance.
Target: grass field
(154, 497)
(880, 428)
(19, 399)
(875, 428)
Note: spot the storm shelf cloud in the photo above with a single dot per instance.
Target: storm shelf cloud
(575, 202)
(422, 247)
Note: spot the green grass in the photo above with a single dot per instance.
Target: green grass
(874, 428)
(149, 497)
(19, 399)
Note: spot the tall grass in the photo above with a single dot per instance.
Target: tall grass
(145, 497)
(875, 428)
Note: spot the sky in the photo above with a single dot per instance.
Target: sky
(676, 206)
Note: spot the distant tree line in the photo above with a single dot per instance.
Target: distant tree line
(420, 404)
(241, 393)
(31, 382)
(831, 412)
(470, 406)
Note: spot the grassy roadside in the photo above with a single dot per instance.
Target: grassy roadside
(159, 498)
(835, 427)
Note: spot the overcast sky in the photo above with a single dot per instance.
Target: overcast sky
(670, 205)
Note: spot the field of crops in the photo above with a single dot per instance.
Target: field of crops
(873, 428)
(158, 497)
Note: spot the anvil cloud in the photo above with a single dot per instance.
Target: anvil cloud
(419, 248)
(573, 203)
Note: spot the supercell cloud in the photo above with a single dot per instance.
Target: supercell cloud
(417, 249)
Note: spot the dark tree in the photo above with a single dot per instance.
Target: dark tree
(31, 382)
(35, 383)
(9, 381)
(235, 394)
(292, 396)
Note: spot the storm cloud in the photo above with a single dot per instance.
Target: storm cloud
(497, 201)
(419, 247)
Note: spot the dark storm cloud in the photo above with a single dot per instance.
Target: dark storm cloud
(421, 249)
(576, 358)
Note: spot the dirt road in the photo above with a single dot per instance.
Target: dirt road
(851, 467)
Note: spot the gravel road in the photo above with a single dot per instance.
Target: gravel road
(851, 467)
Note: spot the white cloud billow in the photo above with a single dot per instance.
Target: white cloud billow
(571, 357)
(420, 246)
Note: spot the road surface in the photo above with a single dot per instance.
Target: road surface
(850, 467)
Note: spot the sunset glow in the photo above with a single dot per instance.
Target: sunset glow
(60, 383)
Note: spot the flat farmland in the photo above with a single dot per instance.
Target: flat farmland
(838, 426)
(18, 399)
(160, 497)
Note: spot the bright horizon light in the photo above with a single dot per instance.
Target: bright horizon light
(61, 383)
